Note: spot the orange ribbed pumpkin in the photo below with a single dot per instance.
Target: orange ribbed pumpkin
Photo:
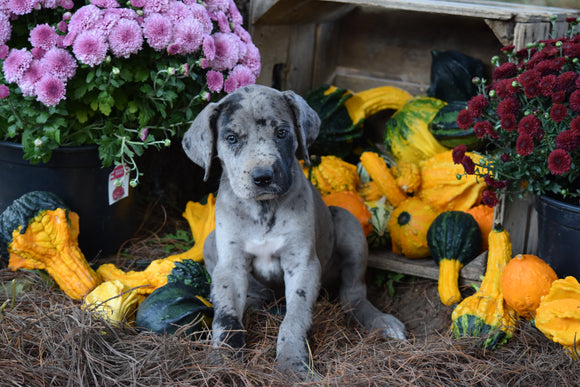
(526, 278)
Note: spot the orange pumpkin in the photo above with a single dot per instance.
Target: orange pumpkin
(408, 227)
(526, 278)
(354, 204)
(483, 215)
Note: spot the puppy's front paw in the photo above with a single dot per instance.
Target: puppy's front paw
(389, 326)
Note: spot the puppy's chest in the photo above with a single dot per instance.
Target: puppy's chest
(265, 254)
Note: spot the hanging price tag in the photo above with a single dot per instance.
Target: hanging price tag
(118, 184)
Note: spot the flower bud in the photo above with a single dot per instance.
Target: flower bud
(115, 71)
(167, 142)
(38, 143)
(171, 71)
(133, 183)
(492, 93)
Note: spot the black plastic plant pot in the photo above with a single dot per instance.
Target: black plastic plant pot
(76, 176)
(559, 235)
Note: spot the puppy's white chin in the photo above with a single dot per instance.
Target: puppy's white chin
(266, 196)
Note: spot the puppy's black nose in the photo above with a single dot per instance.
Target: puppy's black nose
(262, 176)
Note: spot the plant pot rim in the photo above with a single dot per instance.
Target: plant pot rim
(66, 156)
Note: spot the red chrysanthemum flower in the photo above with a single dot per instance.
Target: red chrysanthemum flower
(558, 112)
(508, 106)
(477, 104)
(505, 157)
(575, 125)
(559, 96)
(524, 144)
(559, 161)
(458, 153)
(547, 84)
(468, 165)
(529, 77)
(571, 50)
(489, 198)
(574, 101)
(567, 140)
(509, 48)
(465, 119)
(504, 88)
(491, 182)
(506, 70)
(566, 81)
(508, 122)
(481, 128)
(529, 125)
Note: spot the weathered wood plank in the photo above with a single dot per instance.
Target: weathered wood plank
(425, 268)
(301, 11)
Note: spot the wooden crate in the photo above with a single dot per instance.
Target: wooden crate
(365, 43)
(358, 44)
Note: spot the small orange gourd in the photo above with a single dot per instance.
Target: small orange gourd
(526, 278)
(354, 204)
(483, 215)
(408, 228)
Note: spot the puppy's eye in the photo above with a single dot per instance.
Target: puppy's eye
(281, 133)
(232, 139)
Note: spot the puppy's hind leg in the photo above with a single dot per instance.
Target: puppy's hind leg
(352, 251)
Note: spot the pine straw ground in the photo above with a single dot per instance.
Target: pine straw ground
(46, 339)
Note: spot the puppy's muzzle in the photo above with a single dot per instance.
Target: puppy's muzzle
(262, 177)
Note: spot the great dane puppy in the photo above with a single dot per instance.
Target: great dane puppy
(272, 227)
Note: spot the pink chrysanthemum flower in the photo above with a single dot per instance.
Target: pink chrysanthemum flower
(38, 53)
(16, 64)
(67, 4)
(208, 47)
(240, 76)
(234, 13)
(60, 63)
(105, 3)
(5, 28)
(50, 90)
(155, 6)
(223, 22)
(126, 38)
(242, 33)
(43, 36)
(138, 3)
(173, 49)
(559, 161)
(199, 13)
(215, 81)
(85, 18)
(158, 31)
(215, 6)
(227, 51)
(20, 7)
(179, 12)
(90, 48)
(4, 91)
(189, 36)
(30, 77)
(4, 50)
(252, 59)
(49, 3)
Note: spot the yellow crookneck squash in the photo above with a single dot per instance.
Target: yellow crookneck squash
(485, 314)
(201, 219)
(381, 175)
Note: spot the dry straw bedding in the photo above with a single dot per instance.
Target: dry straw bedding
(46, 339)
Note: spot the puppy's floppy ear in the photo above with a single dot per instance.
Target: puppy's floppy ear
(307, 123)
(199, 140)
